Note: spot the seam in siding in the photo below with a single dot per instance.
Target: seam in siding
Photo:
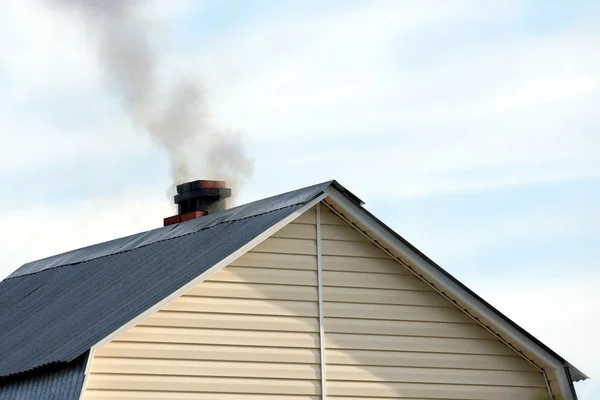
(431, 285)
(320, 294)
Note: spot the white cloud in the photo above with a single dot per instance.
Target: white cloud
(456, 239)
(491, 114)
(516, 112)
(45, 52)
(48, 49)
(54, 109)
(32, 142)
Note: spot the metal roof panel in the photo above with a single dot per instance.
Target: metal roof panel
(53, 382)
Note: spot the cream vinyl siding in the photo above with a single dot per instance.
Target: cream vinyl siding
(249, 332)
(389, 335)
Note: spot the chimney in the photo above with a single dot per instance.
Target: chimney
(198, 198)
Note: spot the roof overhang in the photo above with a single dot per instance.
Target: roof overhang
(350, 207)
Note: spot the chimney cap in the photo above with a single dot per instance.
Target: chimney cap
(209, 194)
(200, 184)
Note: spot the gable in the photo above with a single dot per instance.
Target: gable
(252, 330)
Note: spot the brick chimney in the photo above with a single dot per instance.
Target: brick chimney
(198, 198)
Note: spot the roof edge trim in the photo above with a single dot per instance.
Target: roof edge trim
(445, 280)
(86, 372)
(347, 193)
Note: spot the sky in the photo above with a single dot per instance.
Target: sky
(470, 127)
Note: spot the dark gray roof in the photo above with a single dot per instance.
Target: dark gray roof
(55, 309)
(61, 381)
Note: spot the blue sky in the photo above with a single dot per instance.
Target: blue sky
(469, 127)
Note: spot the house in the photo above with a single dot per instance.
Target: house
(301, 296)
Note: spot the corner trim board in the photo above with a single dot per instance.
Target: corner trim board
(211, 271)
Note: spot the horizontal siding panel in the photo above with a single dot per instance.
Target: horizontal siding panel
(220, 337)
(208, 352)
(129, 395)
(297, 231)
(395, 312)
(330, 218)
(427, 360)
(428, 391)
(255, 291)
(366, 265)
(555, 387)
(205, 368)
(371, 398)
(385, 296)
(351, 249)
(275, 260)
(341, 232)
(263, 275)
(244, 306)
(309, 217)
(240, 322)
(204, 384)
(408, 343)
(373, 280)
(405, 328)
(434, 375)
(287, 246)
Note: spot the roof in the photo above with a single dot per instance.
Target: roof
(55, 309)
(51, 382)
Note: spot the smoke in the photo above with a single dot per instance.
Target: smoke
(173, 114)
